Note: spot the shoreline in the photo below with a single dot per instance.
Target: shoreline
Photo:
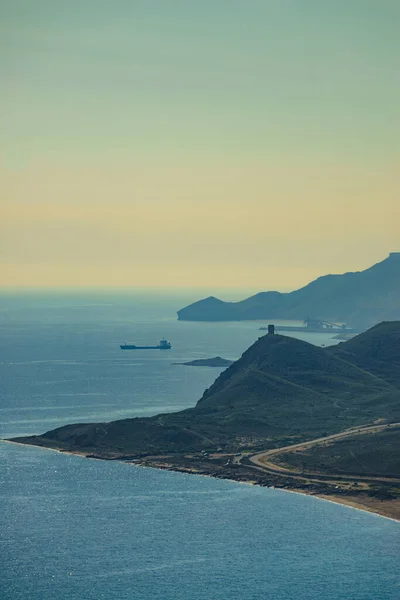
(372, 505)
(387, 509)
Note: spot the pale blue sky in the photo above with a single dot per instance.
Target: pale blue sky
(274, 107)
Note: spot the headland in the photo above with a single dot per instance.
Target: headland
(287, 414)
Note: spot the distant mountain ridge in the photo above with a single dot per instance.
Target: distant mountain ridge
(362, 299)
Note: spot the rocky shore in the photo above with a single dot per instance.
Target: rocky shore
(239, 469)
(377, 501)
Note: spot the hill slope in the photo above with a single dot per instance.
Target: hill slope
(376, 351)
(280, 391)
(361, 298)
(374, 454)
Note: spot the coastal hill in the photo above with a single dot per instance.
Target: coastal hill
(281, 391)
(362, 299)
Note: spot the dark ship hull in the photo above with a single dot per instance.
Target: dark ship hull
(132, 347)
(163, 345)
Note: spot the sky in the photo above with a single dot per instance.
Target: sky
(213, 144)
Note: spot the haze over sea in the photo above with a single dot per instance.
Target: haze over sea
(74, 528)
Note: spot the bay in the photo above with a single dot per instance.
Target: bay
(74, 528)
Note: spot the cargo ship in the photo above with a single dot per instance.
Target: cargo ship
(163, 345)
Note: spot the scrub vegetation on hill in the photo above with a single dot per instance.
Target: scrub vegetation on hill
(369, 454)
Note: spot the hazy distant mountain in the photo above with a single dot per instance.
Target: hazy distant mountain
(360, 299)
(280, 391)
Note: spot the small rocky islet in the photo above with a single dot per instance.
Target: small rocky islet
(216, 361)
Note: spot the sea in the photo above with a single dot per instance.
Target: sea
(73, 528)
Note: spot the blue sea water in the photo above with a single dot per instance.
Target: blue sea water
(79, 529)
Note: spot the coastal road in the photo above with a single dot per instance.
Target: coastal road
(265, 460)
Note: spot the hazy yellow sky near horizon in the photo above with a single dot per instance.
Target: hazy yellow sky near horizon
(184, 145)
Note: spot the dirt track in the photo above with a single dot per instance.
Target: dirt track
(264, 460)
